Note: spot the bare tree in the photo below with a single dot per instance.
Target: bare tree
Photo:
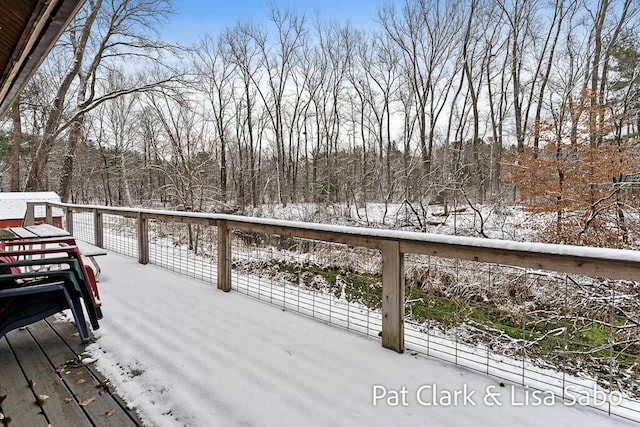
(278, 62)
(497, 80)
(101, 34)
(366, 112)
(427, 32)
(182, 144)
(243, 53)
(215, 78)
(379, 60)
(118, 122)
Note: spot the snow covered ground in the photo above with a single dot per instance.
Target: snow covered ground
(183, 353)
(496, 221)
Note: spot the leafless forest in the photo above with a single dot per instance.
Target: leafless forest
(533, 102)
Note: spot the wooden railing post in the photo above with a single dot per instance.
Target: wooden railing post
(49, 213)
(29, 215)
(392, 297)
(98, 229)
(224, 257)
(68, 213)
(143, 239)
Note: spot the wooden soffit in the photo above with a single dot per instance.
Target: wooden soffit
(28, 30)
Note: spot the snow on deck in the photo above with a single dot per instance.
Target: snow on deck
(184, 353)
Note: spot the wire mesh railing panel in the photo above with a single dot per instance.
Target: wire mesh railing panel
(83, 226)
(120, 234)
(576, 337)
(334, 283)
(188, 249)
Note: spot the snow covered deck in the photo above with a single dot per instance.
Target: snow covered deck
(181, 352)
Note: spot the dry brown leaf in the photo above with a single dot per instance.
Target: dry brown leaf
(81, 381)
(31, 383)
(88, 401)
(41, 398)
(109, 413)
(68, 400)
(102, 383)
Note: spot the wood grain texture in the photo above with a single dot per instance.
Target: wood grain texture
(45, 359)
(392, 297)
(19, 402)
(13, 21)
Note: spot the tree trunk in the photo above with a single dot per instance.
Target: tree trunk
(15, 148)
(66, 177)
(595, 73)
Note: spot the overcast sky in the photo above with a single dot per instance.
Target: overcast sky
(196, 17)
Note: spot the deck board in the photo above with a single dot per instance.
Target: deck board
(77, 348)
(45, 381)
(80, 380)
(45, 359)
(19, 400)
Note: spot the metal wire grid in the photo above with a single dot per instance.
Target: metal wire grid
(82, 226)
(333, 283)
(188, 249)
(120, 234)
(574, 336)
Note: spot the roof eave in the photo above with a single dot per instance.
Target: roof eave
(34, 46)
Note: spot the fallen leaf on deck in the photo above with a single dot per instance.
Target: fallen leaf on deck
(32, 383)
(103, 386)
(102, 383)
(81, 381)
(72, 363)
(88, 401)
(41, 398)
(6, 421)
(109, 413)
(68, 400)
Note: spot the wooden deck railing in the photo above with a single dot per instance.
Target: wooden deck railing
(586, 261)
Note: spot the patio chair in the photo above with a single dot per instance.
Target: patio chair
(23, 305)
(28, 295)
(51, 246)
(72, 276)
